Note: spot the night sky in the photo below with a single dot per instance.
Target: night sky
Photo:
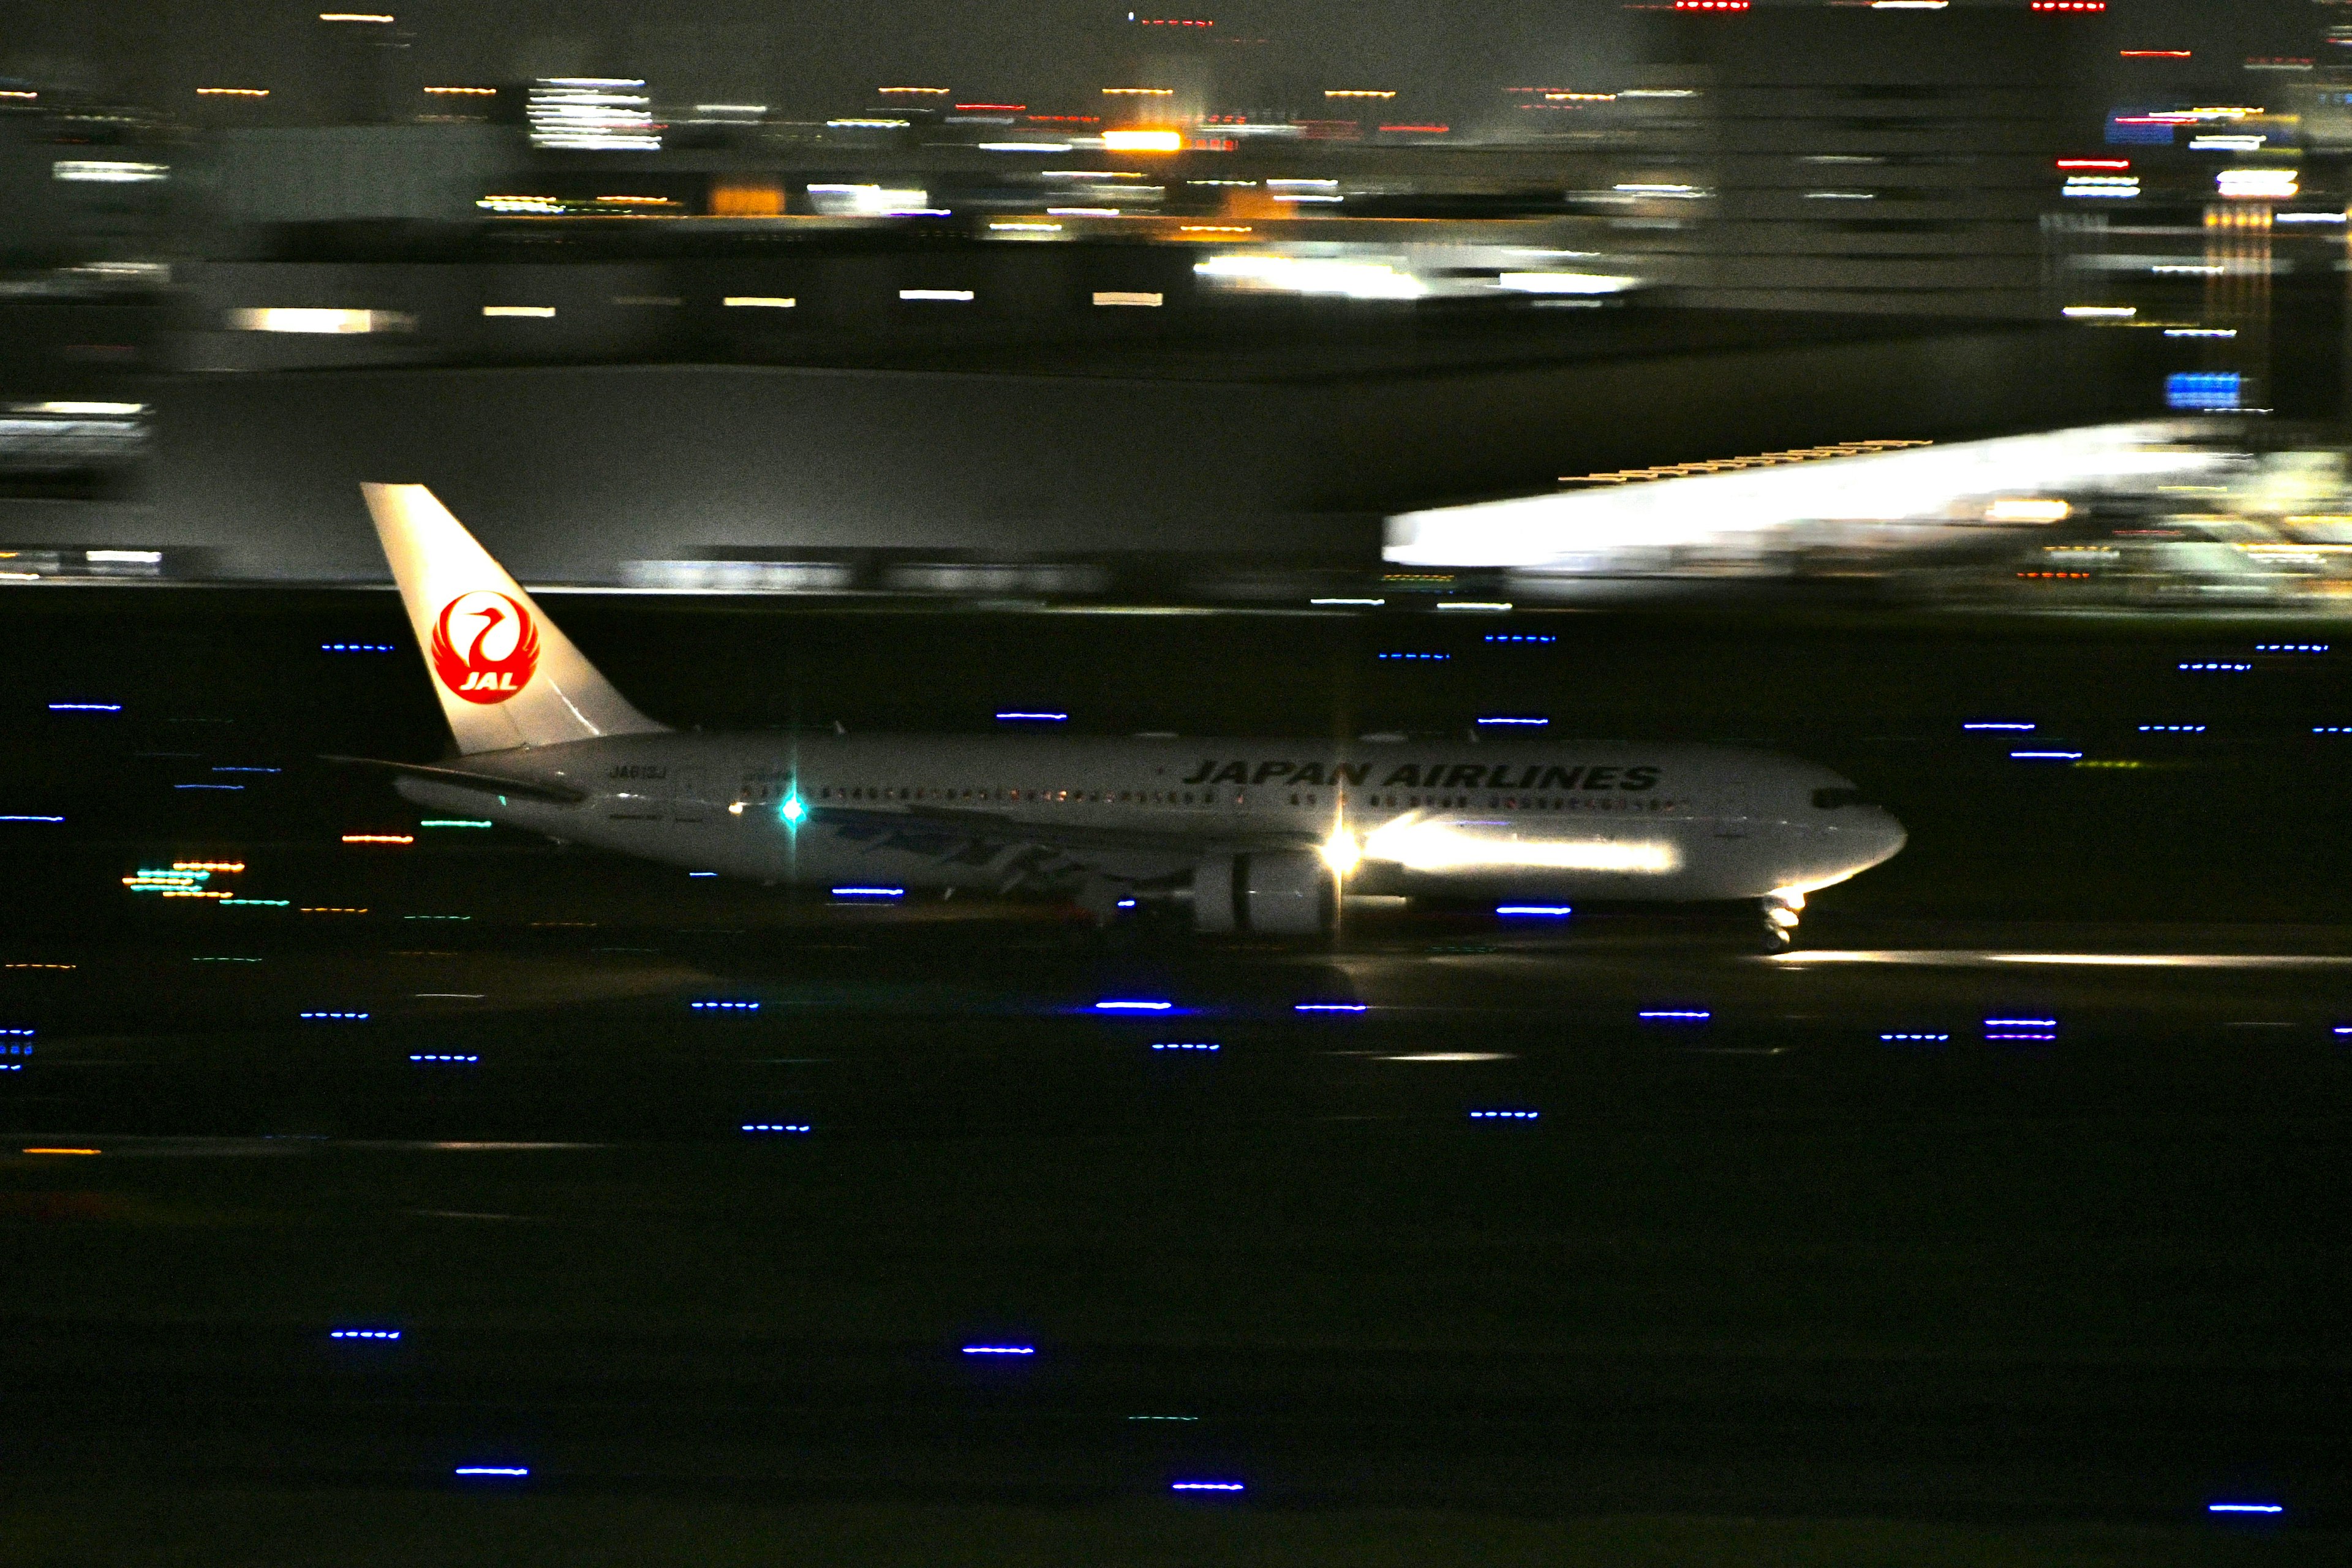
(815, 55)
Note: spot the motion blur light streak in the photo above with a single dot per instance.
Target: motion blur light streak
(1000, 1349)
(1534, 911)
(508, 1471)
(2244, 1508)
(1426, 844)
(1125, 1006)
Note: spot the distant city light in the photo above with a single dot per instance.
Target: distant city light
(1144, 141)
(2212, 391)
(2257, 184)
(760, 302)
(592, 114)
(108, 170)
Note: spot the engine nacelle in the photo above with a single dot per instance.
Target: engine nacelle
(1287, 893)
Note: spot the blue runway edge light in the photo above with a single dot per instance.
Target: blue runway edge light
(724, 1006)
(1206, 1487)
(1000, 1349)
(1997, 724)
(1534, 911)
(1186, 1046)
(1520, 636)
(85, 707)
(508, 1472)
(1034, 718)
(363, 1334)
(444, 1058)
(1329, 1008)
(775, 1127)
(868, 892)
(1498, 719)
(1505, 1115)
(1116, 1004)
(355, 648)
(2244, 1508)
(1674, 1016)
(338, 1017)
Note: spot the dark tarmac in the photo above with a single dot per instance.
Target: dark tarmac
(1768, 1285)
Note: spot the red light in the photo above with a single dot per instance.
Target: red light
(1430, 129)
(2094, 162)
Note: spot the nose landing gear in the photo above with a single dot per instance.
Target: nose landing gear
(1780, 912)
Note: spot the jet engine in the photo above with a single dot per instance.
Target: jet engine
(1287, 893)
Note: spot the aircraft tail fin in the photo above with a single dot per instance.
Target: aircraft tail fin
(506, 676)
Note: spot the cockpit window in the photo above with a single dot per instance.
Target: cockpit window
(1833, 799)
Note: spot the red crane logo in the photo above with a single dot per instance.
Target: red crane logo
(501, 659)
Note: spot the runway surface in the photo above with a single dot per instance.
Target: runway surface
(1990, 1225)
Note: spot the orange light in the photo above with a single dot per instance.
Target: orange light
(466, 91)
(2155, 54)
(330, 910)
(379, 838)
(36, 966)
(208, 865)
(60, 1150)
(232, 92)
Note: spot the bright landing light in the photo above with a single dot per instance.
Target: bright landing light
(1341, 852)
(1438, 847)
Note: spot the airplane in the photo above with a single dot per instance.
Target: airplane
(1242, 835)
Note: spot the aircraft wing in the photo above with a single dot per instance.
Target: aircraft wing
(1073, 837)
(464, 778)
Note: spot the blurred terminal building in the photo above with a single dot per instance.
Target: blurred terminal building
(1219, 316)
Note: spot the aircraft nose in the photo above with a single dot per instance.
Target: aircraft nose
(1891, 836)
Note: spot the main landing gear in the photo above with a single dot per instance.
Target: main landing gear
(1780, 911)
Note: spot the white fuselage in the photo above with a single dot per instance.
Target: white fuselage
(1592, 820)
